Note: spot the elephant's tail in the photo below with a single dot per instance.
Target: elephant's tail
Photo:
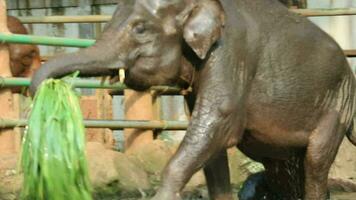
(351, 133)
(341, 185)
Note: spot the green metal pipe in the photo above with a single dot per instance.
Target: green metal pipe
(42, 40)
(58, 41)
(86, 83)
(65, 19)
(112, 124)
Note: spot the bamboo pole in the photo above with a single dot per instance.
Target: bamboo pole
(113, 124)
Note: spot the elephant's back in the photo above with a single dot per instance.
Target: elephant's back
(296, 71)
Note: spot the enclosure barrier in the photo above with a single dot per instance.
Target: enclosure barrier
(43, 40)
(105, 18)
(87, 83)
(65, 19)
(350, 53)
(112, 124)
(325, 12)
(70, 42)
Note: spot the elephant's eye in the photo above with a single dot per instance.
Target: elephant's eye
(139, 28)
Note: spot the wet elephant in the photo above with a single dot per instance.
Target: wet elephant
(263, 79)
(24, 59)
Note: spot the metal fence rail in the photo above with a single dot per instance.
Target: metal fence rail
(105, 18)
(112, 124)
(90, 83)
(43, 40)
(65, 19)
(350, 53)
(87, 83)
(71, 42)
(325, 12)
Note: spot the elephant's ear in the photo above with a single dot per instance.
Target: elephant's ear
(203, 26)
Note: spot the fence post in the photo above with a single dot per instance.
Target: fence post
(8, 138)
(138, 106)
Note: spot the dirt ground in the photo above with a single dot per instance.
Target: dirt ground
(338, 196)
(117, 175)
(343, 196)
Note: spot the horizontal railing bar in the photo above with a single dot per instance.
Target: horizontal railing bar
(86, 83)
(325, 12)
(350, 53)
(112, 124)
(105, 18)
(71, 42)
(45, 40)
(65, 19)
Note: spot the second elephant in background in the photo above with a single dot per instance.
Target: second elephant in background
(24, 58)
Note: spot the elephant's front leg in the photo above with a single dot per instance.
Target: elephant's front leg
(215, 121)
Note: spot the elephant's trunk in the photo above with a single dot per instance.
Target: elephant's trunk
(104, 58)
(93, 61)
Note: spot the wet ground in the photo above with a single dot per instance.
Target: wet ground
(335, 196)
(343, 196)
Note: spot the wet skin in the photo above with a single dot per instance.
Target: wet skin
(264, 79)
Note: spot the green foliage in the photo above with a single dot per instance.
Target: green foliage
(53, 151)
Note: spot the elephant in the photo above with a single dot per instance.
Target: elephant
(261, 79)
(24, 58)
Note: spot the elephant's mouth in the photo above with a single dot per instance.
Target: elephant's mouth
(135, 84)
(143, 71)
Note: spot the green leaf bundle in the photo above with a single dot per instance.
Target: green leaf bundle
(53, 149)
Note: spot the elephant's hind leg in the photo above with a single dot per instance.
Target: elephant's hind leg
(218, 177)
(323, 145)
(281, 180)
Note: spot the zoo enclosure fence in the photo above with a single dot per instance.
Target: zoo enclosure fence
(84, 83)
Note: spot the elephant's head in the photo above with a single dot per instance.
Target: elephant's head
(147, 38)
(24, 59)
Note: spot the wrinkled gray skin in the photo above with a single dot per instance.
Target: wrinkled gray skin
(264, 79)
